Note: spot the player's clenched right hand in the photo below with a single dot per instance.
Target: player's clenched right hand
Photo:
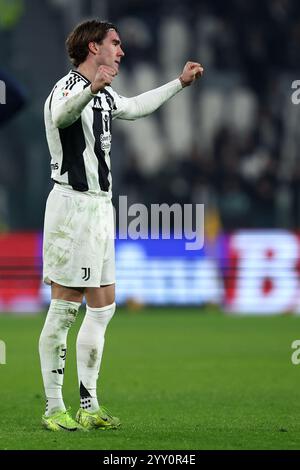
(104, 76)
(190, 73)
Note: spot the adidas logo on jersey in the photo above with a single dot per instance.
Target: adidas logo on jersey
(97, 103)
(71, 82)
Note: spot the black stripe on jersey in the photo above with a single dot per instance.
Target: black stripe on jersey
(110, 100)
(68, 82)
(73, 146)
(103, 170)
(76, 80)
(71, 82)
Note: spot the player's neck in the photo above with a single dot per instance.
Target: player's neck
(88, 70)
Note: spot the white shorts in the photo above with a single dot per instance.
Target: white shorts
(78, 247)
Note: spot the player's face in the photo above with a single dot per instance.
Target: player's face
(110, 51)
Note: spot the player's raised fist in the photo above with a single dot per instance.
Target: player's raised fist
(191, 71)
(104, 76)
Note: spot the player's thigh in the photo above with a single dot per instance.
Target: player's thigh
(70, 294)
(97, 297)
(105, 294)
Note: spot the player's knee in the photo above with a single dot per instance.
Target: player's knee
(100, 297)
(102, 315)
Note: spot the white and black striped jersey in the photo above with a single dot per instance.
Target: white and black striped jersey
(78, 129)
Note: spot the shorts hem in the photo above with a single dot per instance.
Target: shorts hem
(47, 280)
(103, 284)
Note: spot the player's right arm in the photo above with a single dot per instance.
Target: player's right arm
(68, 102)
(66, 107)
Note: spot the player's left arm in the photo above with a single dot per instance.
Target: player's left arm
(146, 103)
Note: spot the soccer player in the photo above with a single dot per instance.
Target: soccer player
(78, 250)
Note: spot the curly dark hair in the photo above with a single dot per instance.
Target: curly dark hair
(78, 40)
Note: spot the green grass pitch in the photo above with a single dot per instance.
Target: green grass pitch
(177, 378)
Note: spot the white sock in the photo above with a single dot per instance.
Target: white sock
(90, 344)
(53, 350)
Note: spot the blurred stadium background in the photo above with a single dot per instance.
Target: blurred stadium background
(230, 142)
